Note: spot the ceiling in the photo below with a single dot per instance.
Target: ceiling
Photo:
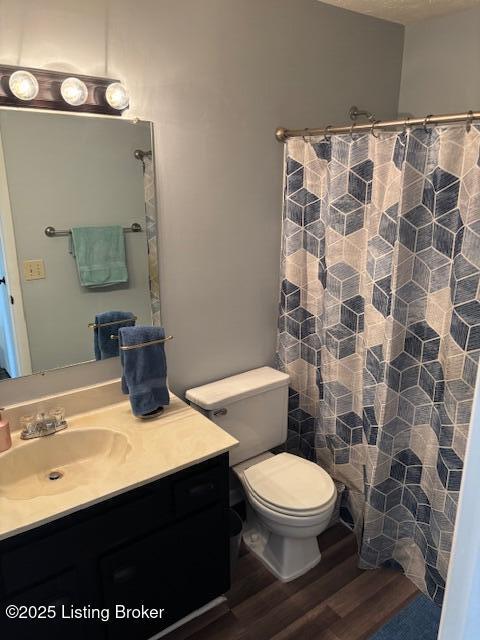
(404, 11)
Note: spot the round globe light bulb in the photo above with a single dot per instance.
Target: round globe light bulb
(74, 91)
(117, 96)
(23, 85)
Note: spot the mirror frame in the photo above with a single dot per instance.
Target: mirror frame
(111, 367)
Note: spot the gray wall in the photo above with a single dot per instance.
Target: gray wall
(217, 77)
(440, 64)
(66, 171)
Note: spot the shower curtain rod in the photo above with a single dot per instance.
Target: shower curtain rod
(283, 134)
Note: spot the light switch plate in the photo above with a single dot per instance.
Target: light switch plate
(34, 269)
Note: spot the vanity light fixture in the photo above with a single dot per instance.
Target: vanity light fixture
(74, 91)
(117, 96)
(23, 85)
(46, 89)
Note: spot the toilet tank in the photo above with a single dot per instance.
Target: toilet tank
(251, 406)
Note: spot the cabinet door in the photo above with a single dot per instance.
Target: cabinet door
(177, 570)
(59, 592)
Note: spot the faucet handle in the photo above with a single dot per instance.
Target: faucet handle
(58, 415)
(45, 421)
(27, 424)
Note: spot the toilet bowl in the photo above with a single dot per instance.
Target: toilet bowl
(289, 503)
(290, 500)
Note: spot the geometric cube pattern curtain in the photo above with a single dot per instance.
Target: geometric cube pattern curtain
(379, 329)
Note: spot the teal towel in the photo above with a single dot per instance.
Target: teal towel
(100, 255)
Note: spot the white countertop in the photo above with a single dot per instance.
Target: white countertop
(179, 438)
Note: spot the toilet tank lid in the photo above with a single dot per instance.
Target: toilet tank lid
(217, 394)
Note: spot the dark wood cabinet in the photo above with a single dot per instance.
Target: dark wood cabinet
(163, 547)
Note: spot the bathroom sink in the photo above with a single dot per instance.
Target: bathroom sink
(61, 462)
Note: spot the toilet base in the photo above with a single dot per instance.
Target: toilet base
(286, 558)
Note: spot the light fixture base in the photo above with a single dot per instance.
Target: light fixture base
(49, 94)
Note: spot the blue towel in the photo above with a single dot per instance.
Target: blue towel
(144, 369)
(104, 346)
(100, 255)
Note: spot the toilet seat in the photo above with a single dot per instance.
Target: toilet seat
(290, 485)
(280, 510)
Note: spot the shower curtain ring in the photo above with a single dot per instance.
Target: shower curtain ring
(406, 124)
(374, 124)
(426, 120)
(304, 139)
(327, 138)
(351, 130)
(469, 120)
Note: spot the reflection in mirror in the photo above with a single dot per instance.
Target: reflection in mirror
(78, 221)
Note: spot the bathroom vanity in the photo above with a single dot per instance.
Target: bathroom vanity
(151, 531)
(111, 511)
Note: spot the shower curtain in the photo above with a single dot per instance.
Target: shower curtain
(379, 329)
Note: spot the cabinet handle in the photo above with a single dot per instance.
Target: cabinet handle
(123, 574)
(201, 490)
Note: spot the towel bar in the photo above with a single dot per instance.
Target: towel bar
(51, 232)
(93, 325)
(141, 344)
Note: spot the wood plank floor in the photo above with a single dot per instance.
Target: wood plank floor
(334, 601)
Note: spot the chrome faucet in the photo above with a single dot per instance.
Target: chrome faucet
(44, 424)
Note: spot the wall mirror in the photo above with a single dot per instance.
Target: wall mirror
(77, 237)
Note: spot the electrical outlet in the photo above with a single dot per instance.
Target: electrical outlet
(34, 269)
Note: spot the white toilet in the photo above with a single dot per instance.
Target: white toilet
(289, 500)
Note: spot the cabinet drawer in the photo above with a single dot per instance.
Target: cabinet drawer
(27, 564)
(34, 557)
(199, 491)
(61, 591)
